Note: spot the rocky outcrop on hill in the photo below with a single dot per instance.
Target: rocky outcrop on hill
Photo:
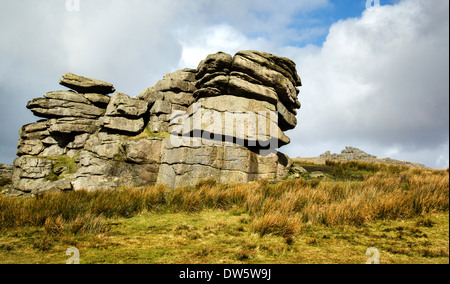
(5, 171)
(355, 154)
(5, 178)
(349, 154)
(223, 120)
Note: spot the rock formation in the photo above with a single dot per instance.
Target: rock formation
(5, 171)
(355, 154)
(349, 154)
(5, 177)
(223, 120)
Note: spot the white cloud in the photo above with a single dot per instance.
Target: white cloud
(380, 81)
(211, 40)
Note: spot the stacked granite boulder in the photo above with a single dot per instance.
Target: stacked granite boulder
(80, 140)
(257, 76)
(355, 154)
(173, 93)
(242, 106)
(89, 140)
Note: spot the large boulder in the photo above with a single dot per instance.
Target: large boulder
(122, 105)
(253, 83)
(85, 85)
(123, 124)
(225, 162)
(57, 108)
(226, 117)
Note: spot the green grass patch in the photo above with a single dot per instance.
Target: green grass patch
(219, 237)
(149, 133)
(62, 166)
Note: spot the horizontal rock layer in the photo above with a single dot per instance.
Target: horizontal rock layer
(86, 85)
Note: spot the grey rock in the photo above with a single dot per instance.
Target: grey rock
(32, 186)
(238, 117)
(144, 151)
(105, 146)
(91, 165)
(316, 174)
(205, 81)
(57, 186)
(30, 147)
(100, 174)
(54, 108)
(49, 141)
(79, 141)
(248, 99)
(355, 154)
(94, 183)
(181, 98)
(283, 65)
(30, 167)
(123, 105)
(241, 87)
(99, 100)
(179, 81)
(161, 107)
(287, 119)
(219, 82)
(35, 131)
(69, 125)
(298, 169)
(150, 96)
(86, 85)
(219, 62)
(68, 96)
(225, 162)
(285, 89)
(207, 92)
(133, 126)
(52, 151)
(159, 124)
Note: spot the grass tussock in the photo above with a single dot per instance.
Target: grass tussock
(386, 193)
(147, 132)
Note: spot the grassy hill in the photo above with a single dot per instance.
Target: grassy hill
(352, 206)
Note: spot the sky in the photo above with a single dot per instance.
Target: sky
(373, 77)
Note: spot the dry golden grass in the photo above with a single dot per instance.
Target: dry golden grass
(386, 193)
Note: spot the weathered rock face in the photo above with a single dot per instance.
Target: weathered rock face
(223, 120)
(5, 177)
(173, 93)
(5, 170)
(349, 154)
(86, 85)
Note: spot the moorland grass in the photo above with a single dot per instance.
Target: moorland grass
(285, 209)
